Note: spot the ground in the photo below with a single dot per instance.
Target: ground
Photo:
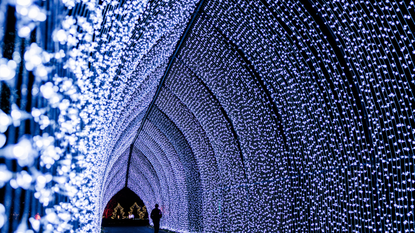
(129, 229)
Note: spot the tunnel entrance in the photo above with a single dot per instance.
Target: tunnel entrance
(125, 209)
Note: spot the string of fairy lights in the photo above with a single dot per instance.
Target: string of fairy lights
(294, 115)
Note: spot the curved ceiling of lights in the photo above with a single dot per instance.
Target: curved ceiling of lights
(245, 116)
(287, 115)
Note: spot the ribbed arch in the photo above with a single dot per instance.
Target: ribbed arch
(116, 168)
(239, 95)
(199, 100)
(140, 184)
(141, 162)
(188, 161)
(141, 169)
(161, 175)
(204, 154)
(142, 83)
(197, 59)
(297, 103)
(131, 121)
(122, 146)
(185, 121)
(117, 176)
(110, 193)
(114, 186)
(118, 179)
(175, 204)
(143, 59)
(179, 174)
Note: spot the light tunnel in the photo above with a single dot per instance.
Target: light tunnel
(232, 115)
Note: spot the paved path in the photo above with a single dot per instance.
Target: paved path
(129, 230)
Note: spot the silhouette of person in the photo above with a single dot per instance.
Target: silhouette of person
(156, 215)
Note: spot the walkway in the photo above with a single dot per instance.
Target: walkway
(129, 230)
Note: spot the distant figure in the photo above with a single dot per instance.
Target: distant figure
(156, 215)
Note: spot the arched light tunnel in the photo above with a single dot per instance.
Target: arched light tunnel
(232, 115)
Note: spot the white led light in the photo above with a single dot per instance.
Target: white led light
(283, 115)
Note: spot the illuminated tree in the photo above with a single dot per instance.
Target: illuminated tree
(118, 212)
(134, 206)
(142, 213)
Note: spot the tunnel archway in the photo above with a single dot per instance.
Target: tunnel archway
(125, 208)
(232, 115)
(272, 107)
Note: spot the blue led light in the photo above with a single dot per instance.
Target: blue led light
(285, 116)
